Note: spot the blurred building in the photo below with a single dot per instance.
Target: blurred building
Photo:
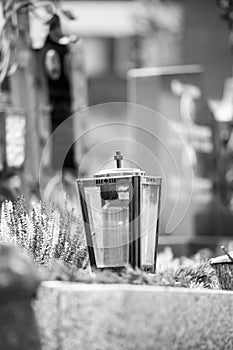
(120, 35)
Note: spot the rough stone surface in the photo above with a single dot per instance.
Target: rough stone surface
(47, 315)
(129, 317)
(18, 283)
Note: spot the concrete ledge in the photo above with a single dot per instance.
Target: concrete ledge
(46, 309)
(96, 316)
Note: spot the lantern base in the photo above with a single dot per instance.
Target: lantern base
(121, 269)
(116, 269)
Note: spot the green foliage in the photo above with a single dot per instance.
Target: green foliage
(56, 242)
(199, 276)
(46, 234)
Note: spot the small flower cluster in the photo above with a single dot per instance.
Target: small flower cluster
(46, 233)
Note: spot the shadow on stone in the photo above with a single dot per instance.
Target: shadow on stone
(18, 286)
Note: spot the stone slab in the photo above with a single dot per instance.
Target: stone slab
(46, 309)
(103, 317)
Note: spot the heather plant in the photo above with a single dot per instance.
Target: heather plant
(45, 233)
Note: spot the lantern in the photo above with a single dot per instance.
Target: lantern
(120, 209)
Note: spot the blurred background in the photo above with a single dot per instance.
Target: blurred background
(120, 35)
(60, 57)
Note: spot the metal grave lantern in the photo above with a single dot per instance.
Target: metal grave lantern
(120, 210)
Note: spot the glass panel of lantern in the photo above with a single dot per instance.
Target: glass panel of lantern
(15, 126)
(107, 203)
(150, 201)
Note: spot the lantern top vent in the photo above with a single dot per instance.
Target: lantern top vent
(119, 170)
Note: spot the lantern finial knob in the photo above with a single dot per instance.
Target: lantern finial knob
(118, 157)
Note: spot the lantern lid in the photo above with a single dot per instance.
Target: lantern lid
(119, 171)
(223, 259)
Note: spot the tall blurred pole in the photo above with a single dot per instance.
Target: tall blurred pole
(79, 97)
(24, 95)
(2, 114)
